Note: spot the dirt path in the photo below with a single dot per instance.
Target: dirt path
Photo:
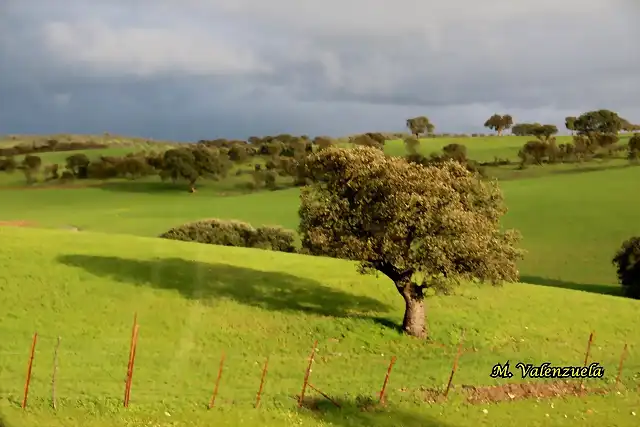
(17, 224)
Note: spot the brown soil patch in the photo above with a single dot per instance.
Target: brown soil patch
(17, 224)
(507, 392)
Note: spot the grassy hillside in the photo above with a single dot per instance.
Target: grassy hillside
(571, 223)
(195, 301)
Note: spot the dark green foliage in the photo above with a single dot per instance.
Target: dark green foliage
(273, 238)
(132, 167)
(238, 153)
(51, 172)
(423, 227)
(270, 178)
(78, 165)
(627, 262)
(538, 130)
(49, 145)
(8, 164)
(374, 140)
(233, 233)
(191, 164)
(412, 143)
(66, 176)
(259, 177)
(533, 152)
(322, 142)
(456, 152)
(420, 126)
(272, 163)
(499, 123)
(30, 165)
(633, 148)
(274, 148)
(32, 162)
(600, 121)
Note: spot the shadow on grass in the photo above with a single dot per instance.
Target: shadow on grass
(593, 288)
(584, 169)
(365, 413)
(198, 280)
(536, 171)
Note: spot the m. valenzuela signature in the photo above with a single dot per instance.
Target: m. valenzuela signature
(546, 370)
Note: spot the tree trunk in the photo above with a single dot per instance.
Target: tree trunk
(414, 323)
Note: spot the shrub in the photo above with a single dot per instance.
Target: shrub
(66, 176)
(627, 261)
(270, 179)
(274, 238)
(233, 233)
(8, 164)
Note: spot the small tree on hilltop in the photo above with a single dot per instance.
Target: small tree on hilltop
(420, 126)
(627, 261)
(424, 227)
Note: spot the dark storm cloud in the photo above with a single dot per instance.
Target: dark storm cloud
(193, 69)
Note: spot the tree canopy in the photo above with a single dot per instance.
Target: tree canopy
(424, 227)
(420, 126)
(600, 121)
(499, 123)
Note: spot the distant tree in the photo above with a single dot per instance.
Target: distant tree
(522, 129)
(367, 140)
(238, 153)
(570, 123)
(534, 129)
(133, 167)
(544, 132)
(424, 227)
(193, 163)
(322, 142)
(51, 172)
(78, 165)
(411, 143)
(420, 126)
(30, 166)
(275, 148)
(634, 148)
(8, 164)
(627, 262)
(499, 123)
(600, 121)
(270, 179)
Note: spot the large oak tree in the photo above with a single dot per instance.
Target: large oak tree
(421, 226)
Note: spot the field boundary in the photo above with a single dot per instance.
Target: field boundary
(543, 386)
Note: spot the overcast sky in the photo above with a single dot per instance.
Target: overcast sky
(194, 69)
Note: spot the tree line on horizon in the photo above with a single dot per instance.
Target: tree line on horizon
(595, 136)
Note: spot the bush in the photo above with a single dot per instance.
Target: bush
(233, 233)
(274, 238)
(627, 261)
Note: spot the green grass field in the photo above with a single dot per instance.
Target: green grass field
(196, 301)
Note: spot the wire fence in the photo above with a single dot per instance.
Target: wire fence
(125, 369)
